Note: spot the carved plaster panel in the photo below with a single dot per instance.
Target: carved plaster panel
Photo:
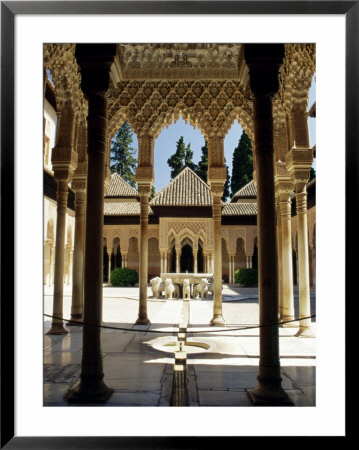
(212, 106)
(180, 228)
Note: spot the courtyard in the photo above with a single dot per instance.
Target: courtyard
(139, 360)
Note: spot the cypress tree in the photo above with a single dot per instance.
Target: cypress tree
(202, 166)
(122, 154)
(181, 158)
(242, 164)
(226, 190)
(188, 158)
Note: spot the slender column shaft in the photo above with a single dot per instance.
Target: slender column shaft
(303, 265)
(79, 251)
(109, 254)
(162, 262)
(91, 386)
(178, 268)
(195, 255)
(217, 319)
(280, 262)
(269, 389)
(269, 367)
(62, 194)
(51, 269)
(143, 272)
(92, 365)
(287, 312)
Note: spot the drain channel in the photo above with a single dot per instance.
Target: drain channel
(180, 394)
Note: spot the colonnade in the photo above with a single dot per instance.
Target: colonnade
(263, 62)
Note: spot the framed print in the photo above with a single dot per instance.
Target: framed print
(26, 28)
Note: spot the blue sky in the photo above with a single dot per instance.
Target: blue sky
(165, 144)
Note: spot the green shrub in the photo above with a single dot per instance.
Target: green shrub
(246, 277)
(122, 276)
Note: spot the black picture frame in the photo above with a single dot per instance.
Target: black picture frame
(9, 10)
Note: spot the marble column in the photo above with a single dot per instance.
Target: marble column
(51, 268)
(195, 260)
(64, 163)
(95, 62)
(299, 161)
(264, 61)
(178, 257)
(144, 191)
(109, 268)
(217, 319)
(231, 268)
(303, 266)
(287, 263)
(57, 326)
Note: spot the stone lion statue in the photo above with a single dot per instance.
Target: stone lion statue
(169, 288)
(201, 289)
(157, 286)
(186, 288)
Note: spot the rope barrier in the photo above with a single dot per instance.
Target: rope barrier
(176, 332)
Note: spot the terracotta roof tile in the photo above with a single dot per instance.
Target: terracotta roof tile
(123, 209)
(249, 190)
(186, 189)
(119, 188)
(240, 209)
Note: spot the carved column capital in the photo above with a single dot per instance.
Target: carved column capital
(144, 189)
(79, 179)
(64, 163)
(299, 162)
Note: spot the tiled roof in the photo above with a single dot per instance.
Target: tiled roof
(249, 190)
(239, 209)
(186, 189)
(123, 209)
(119, 188)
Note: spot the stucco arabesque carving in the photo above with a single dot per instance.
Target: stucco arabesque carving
(149, 106)
(295, 79)
(193, 228)
(60, 60)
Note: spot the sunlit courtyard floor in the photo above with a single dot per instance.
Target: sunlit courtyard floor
(139, 360)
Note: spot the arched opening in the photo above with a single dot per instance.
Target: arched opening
(225, 261)
(240, 260)
(255, 255)
(173, 257)
(116, 256)
(105, 275)
(154, 258)
(133, 255)
(186, 260)
(192, 136)
(200, 265)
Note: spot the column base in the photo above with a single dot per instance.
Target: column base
(269, 394)
(293, 324)
(58, 328)
(217, 321)
(305, 332)
(142, 320)
(88, 392)
(76, 318)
